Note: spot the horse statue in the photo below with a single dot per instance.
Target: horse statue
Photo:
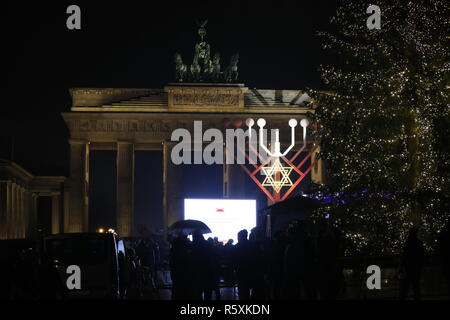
(231, 72)
(215, 67)
(195, 69)
(180, 68)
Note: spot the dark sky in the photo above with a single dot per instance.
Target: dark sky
(131, 44)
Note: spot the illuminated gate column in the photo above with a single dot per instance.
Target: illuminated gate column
(317, 173)
(172, 200)
(31, 220)
(233, 181)
(79, 187)
(15, 211)
(5, 207)
(9, 209)
(56, 213)
(21, 217)
(125, 188)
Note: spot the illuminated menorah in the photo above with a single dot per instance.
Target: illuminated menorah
(277, 176)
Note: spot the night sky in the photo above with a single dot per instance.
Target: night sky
(131, 44)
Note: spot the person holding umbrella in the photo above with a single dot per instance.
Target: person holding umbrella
(189, 263)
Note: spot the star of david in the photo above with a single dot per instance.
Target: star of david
(271, 173)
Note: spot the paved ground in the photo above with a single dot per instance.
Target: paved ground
(227, 294)
(433, 287)
(232, 294)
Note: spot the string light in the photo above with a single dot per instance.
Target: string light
(386, 125)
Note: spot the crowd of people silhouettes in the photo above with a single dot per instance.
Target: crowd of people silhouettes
(286, 267)
(291, 265)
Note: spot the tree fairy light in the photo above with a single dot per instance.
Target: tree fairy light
(384, 123)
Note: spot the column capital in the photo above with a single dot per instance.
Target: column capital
(169, 142)
(127, 142)
(78, 141)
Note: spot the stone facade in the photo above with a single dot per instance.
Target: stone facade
(19, 191)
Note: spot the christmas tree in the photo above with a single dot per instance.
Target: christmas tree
(383, 123)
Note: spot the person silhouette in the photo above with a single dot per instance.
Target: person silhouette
(179, 260)
(227, 261)
(242, 265)
(276, 265)
(412, 261)
(259, 264)
(215, 263)
(298, 263)
(444, 250)
(203, 271)
(328, 247)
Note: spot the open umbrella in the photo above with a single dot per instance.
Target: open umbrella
(188, 227)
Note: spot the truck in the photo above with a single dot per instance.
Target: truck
(95, 256)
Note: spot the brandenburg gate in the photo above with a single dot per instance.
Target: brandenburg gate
(127, 120)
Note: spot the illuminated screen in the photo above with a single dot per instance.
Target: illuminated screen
(225, 218)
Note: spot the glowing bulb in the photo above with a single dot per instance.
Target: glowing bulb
(250, 122)
(261, 122)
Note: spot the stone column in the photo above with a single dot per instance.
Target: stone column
(12, 201)
(21, 220)
(317, 172)
(172, 200)
(3, 210)
(79, 187)
(28, 212)
(233, 181)
(125, 188)
(66, 212)
(32, 220)
(56, 213)
(9, 210)
(15, 211)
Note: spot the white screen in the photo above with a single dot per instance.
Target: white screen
(225, 218)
